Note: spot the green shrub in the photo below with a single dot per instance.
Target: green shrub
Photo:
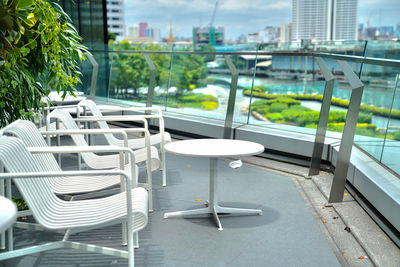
(397, 136)
(364, 117)
(335, 101)
(275, 117)
(277, 107)
(308, 117)
(209, 105)
(198, 98)
(287, 100)
(263, 110)
(294, 112)
(363, 129)
(337, 116)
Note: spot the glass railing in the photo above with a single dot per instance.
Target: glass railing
(278, 86)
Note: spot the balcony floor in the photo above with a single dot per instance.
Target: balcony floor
(289, 233)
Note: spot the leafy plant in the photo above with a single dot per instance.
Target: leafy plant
(40, 50)
(397, 136)
(277, 107)
(275, 117)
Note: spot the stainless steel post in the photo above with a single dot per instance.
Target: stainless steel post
(346, 145)
(323, 118)
(95, 73)
(150, 91)
(232, 98)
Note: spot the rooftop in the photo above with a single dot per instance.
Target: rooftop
(296, 229)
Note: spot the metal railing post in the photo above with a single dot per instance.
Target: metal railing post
(346, 145)
(323, 118)
(150, 91)
(95, 73)
(232, 98)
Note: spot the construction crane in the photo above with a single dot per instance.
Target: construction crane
(213, 15)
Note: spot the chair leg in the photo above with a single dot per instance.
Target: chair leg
(163, 167)
(124, 241)
(136, 240)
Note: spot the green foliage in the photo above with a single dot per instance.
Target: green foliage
(335, 101)
(364, 117)
(294, 112)
(111, 36)
(207, 48)
(258, 88)
(197, 101)
(308, 117)
(397, 136)
(209, 105)
(130, 71)
(277, 107)
(38, 44)
(275, 117)
(21, 204)
(288, 100)
(337, 116)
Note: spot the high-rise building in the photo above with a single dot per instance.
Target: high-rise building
(285, 33)
(156, 35)
(324, 20)
(115, 18)
(344, 19)
(208, 35)
(142, 29)
(133, 31)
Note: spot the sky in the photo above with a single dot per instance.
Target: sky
(239, 16)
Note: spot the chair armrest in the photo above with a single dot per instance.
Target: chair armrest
(79, 149)
(95, 149)
(32, 175)
(158, 110)
(90, 131)
(113, 118)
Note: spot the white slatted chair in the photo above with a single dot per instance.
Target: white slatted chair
(160, 138)
(55, 214)
(147, 155)
(87, 188)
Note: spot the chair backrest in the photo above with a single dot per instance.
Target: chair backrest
(36, 191)
(30, 135)
(89, 104)
(65, 118)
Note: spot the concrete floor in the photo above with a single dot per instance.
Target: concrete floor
(296, 229)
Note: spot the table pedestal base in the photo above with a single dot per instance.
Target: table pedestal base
(214, 211)
(212, 207)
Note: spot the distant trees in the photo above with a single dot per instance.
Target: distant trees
(129, 71)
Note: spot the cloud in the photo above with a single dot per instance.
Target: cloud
(238, 16)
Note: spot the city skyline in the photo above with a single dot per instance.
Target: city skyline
(237, 16)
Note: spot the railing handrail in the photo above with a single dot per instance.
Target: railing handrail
(358, 59)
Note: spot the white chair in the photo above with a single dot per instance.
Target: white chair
(86, 188)
(147, 155)
(160, 138)
(69, 217)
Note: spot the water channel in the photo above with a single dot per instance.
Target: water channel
(373, 95)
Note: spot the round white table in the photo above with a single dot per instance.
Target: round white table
(214, 149)
(8, 213)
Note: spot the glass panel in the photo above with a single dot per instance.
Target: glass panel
(391, 149)
(199, 84)
(381, 96)
(292, 87)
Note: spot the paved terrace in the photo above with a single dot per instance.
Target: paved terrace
(296, 229)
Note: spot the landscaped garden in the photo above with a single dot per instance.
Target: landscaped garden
(287, 109)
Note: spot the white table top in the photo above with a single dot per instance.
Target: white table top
(214, 148)
(8, 213)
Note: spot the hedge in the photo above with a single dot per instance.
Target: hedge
(385, 112)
